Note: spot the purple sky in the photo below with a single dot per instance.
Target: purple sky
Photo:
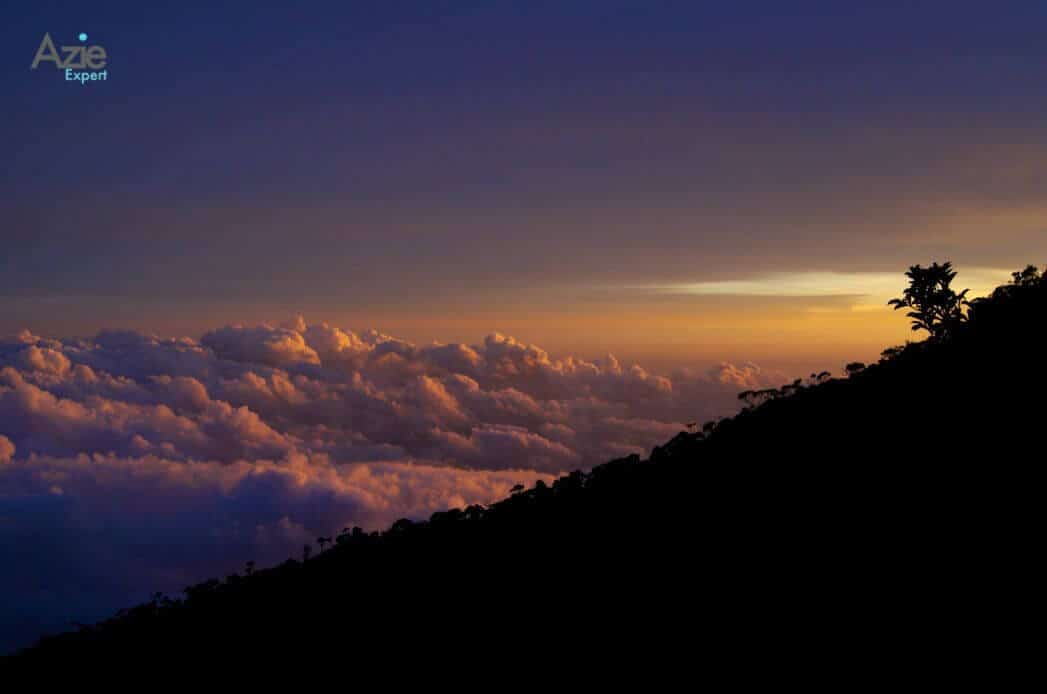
(525, 164)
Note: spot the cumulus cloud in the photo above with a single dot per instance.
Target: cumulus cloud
(133, 462)
(263, 345)
(243, 393)
(7, 449)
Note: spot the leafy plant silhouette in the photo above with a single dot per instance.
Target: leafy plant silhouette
(934, 305)
(1027, 277)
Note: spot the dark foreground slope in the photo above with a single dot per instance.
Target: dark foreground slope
(888, 517)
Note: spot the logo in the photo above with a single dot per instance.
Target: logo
(81, 64)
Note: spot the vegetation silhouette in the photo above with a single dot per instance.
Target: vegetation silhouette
(936, 307)
(888, 515)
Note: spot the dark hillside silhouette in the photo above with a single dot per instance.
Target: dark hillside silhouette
(873, 520)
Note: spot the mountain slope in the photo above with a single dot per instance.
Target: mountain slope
(901, 500)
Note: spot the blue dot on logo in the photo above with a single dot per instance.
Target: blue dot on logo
(83, 37)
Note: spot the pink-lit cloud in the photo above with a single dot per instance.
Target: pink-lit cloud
(133, 463)
(266, 392)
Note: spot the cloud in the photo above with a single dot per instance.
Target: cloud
(266, 392)
(7, 449)
(867, 288)
(264, 345)
(134, 463)
(746, 376)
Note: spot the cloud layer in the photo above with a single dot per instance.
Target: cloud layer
(130, 463)
(267, 392)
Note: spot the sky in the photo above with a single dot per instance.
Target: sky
(441, 170)
(299, 265)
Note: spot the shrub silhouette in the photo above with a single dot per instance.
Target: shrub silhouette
(1028, 277)
(855, 367)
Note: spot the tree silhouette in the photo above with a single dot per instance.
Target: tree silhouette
(854, 367)
(934, 305)
(1027, 277)
(892, 352)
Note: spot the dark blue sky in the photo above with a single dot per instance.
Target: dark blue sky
(361, 160)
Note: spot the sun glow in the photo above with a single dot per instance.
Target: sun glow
(867, 289)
